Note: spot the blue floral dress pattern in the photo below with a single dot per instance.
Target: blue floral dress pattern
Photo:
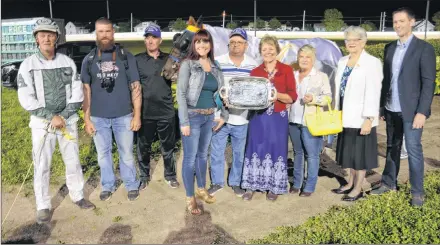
(344, 79)
(265, 165)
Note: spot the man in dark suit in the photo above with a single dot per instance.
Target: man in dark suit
(407, 93)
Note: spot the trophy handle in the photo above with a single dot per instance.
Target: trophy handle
(273, 94)
(223, 92)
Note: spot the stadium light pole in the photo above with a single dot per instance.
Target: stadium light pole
(50, 9)
(255, 17)
(426, 18)
(108, 11)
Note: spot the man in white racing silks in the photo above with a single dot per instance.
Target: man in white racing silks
(50, 89)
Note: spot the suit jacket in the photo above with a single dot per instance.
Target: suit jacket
(416, 78)
(362, 92)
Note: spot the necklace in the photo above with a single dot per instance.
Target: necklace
(271, 74)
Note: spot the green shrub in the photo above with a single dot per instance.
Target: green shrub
(378, 219)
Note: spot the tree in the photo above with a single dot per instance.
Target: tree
(369, 26)
(178, 25)
(333, 20)
(274, 23)
(436, 19)
(231, 25)
(123, 27)
(261, 23)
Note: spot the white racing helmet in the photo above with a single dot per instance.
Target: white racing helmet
(45, 24)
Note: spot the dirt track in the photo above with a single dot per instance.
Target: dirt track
(158, 216)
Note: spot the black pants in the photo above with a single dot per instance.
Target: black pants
(167, 135)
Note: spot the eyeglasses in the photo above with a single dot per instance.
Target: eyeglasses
(352, 40)
(202, 40)
(233, 43)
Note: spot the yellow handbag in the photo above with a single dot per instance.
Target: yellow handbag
(324, 122)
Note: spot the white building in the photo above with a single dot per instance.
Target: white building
(420, 26)
(76, 29)
(318, 27)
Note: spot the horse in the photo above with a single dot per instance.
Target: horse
(180, 49)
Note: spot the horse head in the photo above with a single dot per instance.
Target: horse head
(181, 48)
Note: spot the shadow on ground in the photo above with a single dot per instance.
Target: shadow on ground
(30, 233)
(117, 234)
(200, 230)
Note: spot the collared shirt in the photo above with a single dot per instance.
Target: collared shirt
(393, 102)
(283, 80)
(296, 114)
(157, 96)
(236, 116)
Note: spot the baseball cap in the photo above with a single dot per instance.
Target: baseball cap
(239, 31)
(153, 30)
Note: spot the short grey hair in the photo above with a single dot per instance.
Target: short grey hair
(356, 30)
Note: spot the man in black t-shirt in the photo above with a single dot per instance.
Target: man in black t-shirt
(112, 106)
(158, 114)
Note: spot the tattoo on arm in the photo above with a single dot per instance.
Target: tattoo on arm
(87, 101)
(136, 91)
(136, 97)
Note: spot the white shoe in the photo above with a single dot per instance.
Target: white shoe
(403, 155)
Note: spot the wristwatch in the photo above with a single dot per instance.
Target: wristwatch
(370, 118)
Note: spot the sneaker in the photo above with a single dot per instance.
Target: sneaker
(85, 204)
(403, 155)
(238, 191)
(381, 190)
(417, 201)
(143, 185)
(173, 183)
(214, 188)
(105, 195)
(133, 195)
(43, 216)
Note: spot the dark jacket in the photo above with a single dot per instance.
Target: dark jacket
(416, 78)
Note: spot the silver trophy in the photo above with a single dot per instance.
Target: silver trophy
(249, 93)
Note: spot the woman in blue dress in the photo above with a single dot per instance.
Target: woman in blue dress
(265, 163)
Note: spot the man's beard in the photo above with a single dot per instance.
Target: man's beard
(105, 46)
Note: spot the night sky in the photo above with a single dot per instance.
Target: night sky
(242, 10)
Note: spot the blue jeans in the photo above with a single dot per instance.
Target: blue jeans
(195, 150)
(330, 139)
(124, 140)
(396, 128)
(302, 142)
(238, 137)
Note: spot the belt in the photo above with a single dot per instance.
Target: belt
(208, 111)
